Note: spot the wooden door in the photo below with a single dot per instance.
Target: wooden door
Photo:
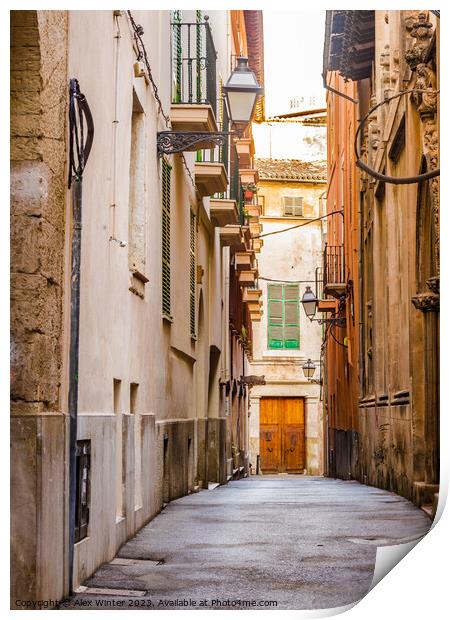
(282, 435)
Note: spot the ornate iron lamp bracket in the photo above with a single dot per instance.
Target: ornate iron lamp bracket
(340, 322)
(169, 142)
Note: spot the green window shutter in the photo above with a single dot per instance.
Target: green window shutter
(199, 45)
(192, 274)
(275, 307)
(284, 320)
(166, 174)
(177, 56)
(291, 317)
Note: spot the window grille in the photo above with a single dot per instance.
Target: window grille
(83, 483)
(292, 206)
(166, 279)
(284, 320)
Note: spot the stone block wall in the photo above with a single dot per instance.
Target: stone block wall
(38, 427)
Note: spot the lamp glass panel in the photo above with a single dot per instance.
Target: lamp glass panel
(310, 308)
(241, 106)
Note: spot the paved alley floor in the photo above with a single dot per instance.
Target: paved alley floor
(304, 542)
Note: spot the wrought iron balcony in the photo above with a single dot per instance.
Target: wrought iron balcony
(194, 64)
(214, 163)
(334, 280)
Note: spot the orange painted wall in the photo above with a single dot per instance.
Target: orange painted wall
(342, 374)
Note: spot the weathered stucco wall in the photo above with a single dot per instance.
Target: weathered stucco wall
(38, 155)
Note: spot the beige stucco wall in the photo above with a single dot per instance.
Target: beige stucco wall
(122, 335)
(172, 436)
(285, 257)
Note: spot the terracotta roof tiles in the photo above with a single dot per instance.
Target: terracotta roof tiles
(291, 170)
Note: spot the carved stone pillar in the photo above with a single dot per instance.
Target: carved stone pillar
(420, 57)
(385, 62)
(421, 61)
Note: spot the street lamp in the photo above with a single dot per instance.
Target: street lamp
(309, 368)
(309, 301)
(242, 91)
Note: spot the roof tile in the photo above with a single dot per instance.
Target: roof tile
(291, 170)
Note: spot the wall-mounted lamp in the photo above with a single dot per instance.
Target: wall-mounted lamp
(309, 368)
(241, 93)
(310, 301)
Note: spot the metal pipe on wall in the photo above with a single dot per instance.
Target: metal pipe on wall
(79, 113)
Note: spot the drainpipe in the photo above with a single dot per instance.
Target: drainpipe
(79, 113)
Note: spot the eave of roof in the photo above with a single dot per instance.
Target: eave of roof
(255, 48)
(349, 45)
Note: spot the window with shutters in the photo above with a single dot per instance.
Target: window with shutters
(292, 206)
(166, 174)
(192, 274)
(283, 319)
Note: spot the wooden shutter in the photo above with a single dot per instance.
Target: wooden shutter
(192, 274)
(284, 320)
(291, 317)
(166, 174)
(275, 326)
(293, 206)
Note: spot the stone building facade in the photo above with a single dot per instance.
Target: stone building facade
(383, 398)
(287, 408)
(156, 372)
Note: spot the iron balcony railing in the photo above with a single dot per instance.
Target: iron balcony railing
(194, 64)
(235, 189)
(219, 153)
(228, 156)
(319, 283)
(333, 265)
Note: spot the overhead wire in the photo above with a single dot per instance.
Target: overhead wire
(316, 219)
(138, 31)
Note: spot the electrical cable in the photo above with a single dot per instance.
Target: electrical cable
(382, 177)
(337, 92)
(335, 339)
(138, 31)
(142, 54)
(286, 281)
(277, 232)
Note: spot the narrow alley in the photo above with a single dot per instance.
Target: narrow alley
(267, 542)
(225, 303)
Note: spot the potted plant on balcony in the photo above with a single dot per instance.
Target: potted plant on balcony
(249, 191)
